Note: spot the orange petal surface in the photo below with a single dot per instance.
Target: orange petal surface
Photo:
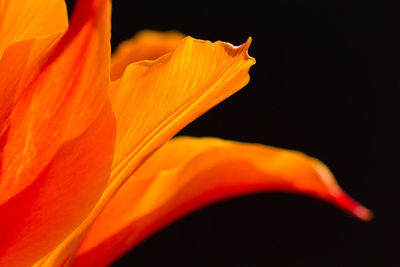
(28, 33)
(43, 214)
(188, 173)
(59, 141)
(145, 45)
(65, 98)
(29, 19)
(155, 99)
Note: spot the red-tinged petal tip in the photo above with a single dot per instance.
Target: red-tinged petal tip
(340, 198)
(353, 207)
(363, 213)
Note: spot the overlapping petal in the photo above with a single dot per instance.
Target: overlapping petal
(169, 93)
(64, 99)
(59, 142)
(28, 33)
(145, 45)
(188, 173)
(30, 19)
(153, 100)
(60, 116)
(43, 214)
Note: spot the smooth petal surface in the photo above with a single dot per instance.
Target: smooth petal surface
(30, 19)
(43, 214)
(145, 45)
(65, 98)
(59, 141)
(170, 92)
(153, 100)
(20, 64)
(29, 30)
(188, 173)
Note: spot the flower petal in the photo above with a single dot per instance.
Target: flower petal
(155, 99)
(29, 30)
(145, 45)
(59, 141)
(188, 173)
(20, 64)
(61, 102)
(169, 93)
(38, 218)
(29, 19)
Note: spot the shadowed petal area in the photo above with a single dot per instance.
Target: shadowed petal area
(59, 142)
(145, 45)
(153, 100)
(188, 173)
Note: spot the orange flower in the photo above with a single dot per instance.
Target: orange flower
(84, 173)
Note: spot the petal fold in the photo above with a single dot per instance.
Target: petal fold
(63, 100)
(153, 100)
(30, 19)
(189, 173)
(43, 214)
(29, 30)
(145, 45)
(20, 64)
(58, 143)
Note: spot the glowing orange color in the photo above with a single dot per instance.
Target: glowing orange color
(146, 45)
(83, 168)
(188, 173)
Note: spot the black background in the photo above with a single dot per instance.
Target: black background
(324, 83)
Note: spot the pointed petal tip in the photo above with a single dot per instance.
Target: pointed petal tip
(246, 47)
(339, 197)
(354, 208)
(363, 213)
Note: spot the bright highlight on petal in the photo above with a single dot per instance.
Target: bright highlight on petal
(171, 92)
(188, 173)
